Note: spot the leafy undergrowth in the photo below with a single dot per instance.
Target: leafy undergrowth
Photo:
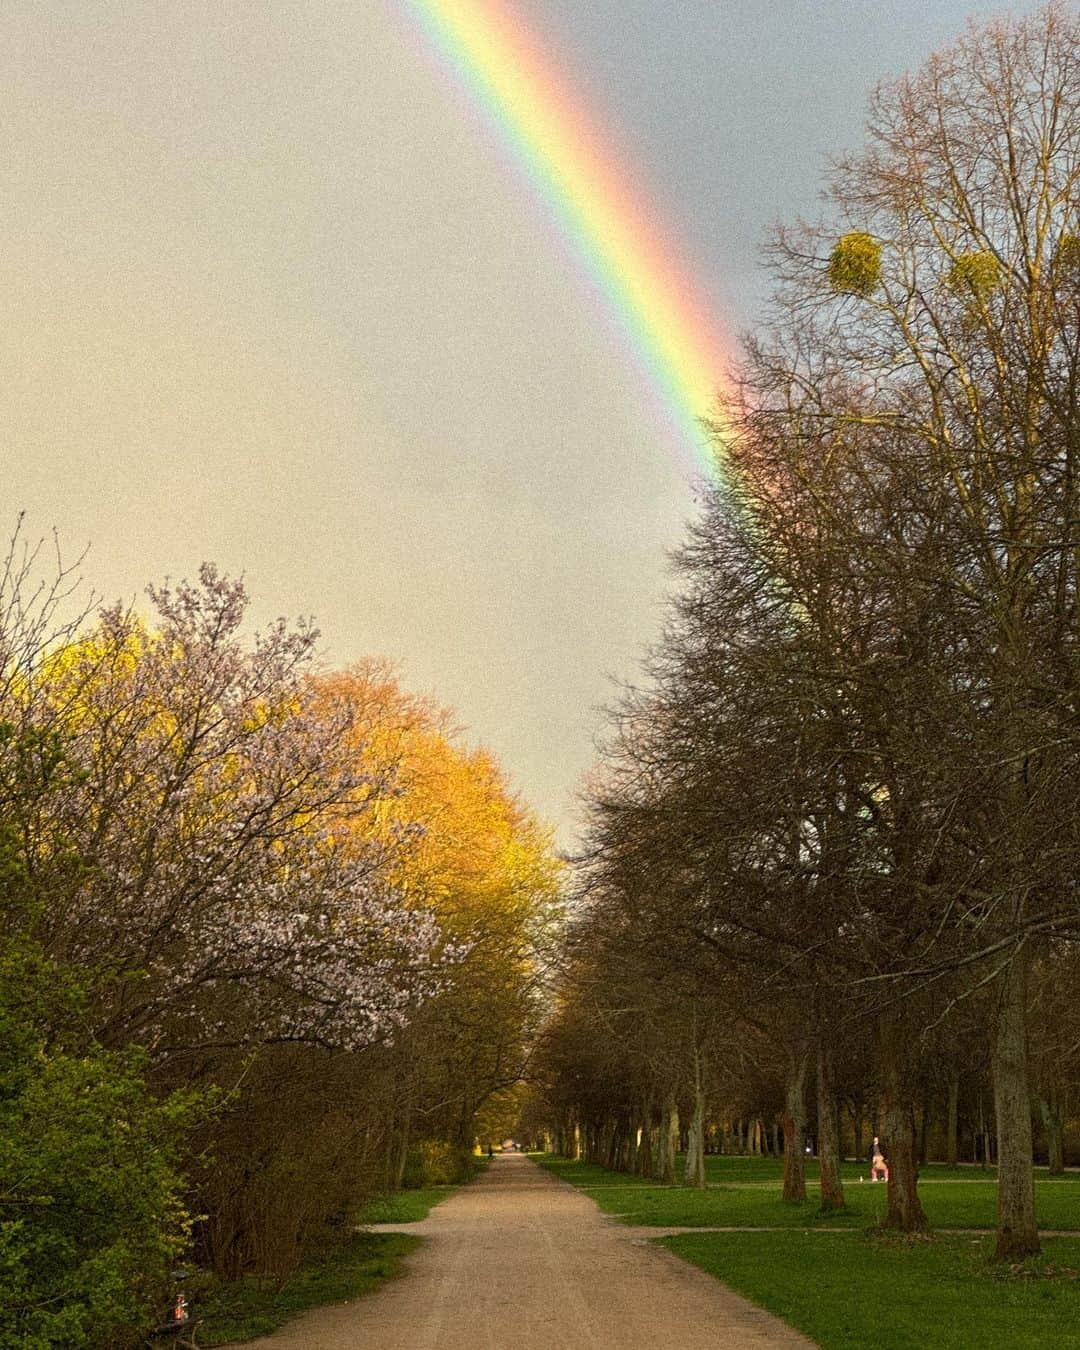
(745, 1192)
(255, 1306)
(854, 1291)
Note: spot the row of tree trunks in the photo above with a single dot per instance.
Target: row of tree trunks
(752, 1137)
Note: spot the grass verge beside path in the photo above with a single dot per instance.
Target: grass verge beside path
(254, 1306)
(404, 1206)
(852, 1292)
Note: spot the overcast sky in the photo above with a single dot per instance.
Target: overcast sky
(274, 295)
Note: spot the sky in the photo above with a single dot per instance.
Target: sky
(277, 295)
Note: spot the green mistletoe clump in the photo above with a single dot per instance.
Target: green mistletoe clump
(1068, 254)
(855, 264)
(975, 275)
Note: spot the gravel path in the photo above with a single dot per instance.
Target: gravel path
(521, 1261)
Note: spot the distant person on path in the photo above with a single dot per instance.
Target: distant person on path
(879, 1168)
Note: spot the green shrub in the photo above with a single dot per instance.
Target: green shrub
(90, 1212)
(436, 1163)
(91, 1218)
(855, 264)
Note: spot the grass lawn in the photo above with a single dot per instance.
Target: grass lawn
(849, 1292)
(850, 1289)
(255, 1306)
(745, 1192)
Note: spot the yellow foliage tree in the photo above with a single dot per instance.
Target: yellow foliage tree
(463, 845)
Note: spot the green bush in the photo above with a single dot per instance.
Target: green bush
(436, 1163)
(91, 1218)
(855, 264)
(90, 1211)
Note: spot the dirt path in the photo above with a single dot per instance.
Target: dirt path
(521, 1261)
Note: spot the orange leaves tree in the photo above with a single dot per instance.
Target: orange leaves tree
(462, 846)
(264, 878)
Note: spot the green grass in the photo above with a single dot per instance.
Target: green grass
(847, 1292)
(404, 1206)
(587, 1174)
(850, 1289)
(255, 1306)
(745, 1192)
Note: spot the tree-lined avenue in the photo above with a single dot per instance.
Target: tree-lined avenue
(521, 1259)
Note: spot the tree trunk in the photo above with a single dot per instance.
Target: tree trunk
(856, 1131)
(1053, 1116)
(614, 1138)
(690, 1165)
(402, 1157)
(660, 1164)
(953, 1122)
(694, 1175)
(794, 1123)
(905, 1211)
(466, 1130)
(1017, 1235)
(984, 1136)
(645, 1148)
(669, 1142)
(832, 1189)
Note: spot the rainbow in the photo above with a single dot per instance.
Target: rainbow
(613, 232)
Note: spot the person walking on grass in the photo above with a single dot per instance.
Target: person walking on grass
(879, 1168)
